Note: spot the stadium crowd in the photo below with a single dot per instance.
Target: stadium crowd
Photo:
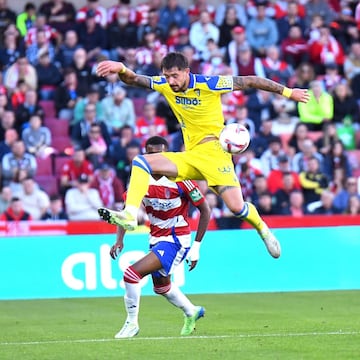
(67, 137)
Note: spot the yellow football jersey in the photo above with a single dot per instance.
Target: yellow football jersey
(199, 108)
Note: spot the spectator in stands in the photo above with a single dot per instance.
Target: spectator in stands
(92, 98)
(194, 10)
(215, 65)
(20, 70)
(48, 75)
(18, 95)
(325, 206)
(270, 158)
(353, 205)
(30, 107)
(121, 34)
(313, 181)
(265, 204)
(80, 131)
(194, 63)
(352, 65)
(296, 206)
(37, 138)
(5, 104)
(238, 40)
(173, 13)
(341, 199)
(83, 70)
(326, 49)
(92, 36)
(215, 203)
(229, 22)
(118, 111)
(72, 169)
(247, 64)
(275, 68)
(183, 40)
(294, 47)
(300, 133)
(308, 150)
(7, 121)
(17, 164)
(66, 50)
(282, 192)
(221, 11)
(304, 75)
(201, 31)
(66, 95)
(291, 19)
(261, 31)
(319, 109)
(55, 210)
(15, 211)
(11, 136)
(26, 19)
(149, 124)
(81, 201)
(12, 48)
(276, 178)
(313, 7)
(152, 26)
(40, 46)
(260, 107)
(331, 78)
(327, 141)
(345, 105)
(7, 16)
(35, 201)
(96, 148)
(123, 166)
(260, 187)
(5, 198)
(110, 187)
(60, 15)
(260, 143)
(94, 6)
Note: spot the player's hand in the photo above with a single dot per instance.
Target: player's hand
(193, 255)
(300, 95)
(116, 250)
(107, 67)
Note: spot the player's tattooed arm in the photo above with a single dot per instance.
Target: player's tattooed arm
(134, 79)
(256, 82)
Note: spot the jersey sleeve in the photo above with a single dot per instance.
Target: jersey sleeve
(191, 191)
(218, 83)
(158, 83)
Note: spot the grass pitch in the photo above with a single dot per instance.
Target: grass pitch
(307, 325)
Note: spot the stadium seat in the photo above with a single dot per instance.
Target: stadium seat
(59, 163)
(48, 107)
(48, 183)
(138, 105)
(60, 143)
(58, 127)
(44, 166)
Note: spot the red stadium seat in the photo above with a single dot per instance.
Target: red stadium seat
(58, 127)
(48, 107)
(44, 166)
(139, 105)
(48, 183)
(61, 143)
(59, 163)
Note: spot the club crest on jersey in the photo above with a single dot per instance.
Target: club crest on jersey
(167, 194)
(197, 92)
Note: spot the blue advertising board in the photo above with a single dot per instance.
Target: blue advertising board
(231, 261)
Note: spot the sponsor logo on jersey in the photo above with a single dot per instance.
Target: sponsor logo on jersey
(195, 195)
(224, 169)
(180, 100)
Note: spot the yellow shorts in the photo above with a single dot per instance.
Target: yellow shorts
(207, 161)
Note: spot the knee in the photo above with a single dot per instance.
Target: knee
(132, 276)
(162, 289)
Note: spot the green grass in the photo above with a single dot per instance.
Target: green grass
(307, 325)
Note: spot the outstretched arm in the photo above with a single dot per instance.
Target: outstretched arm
(126, 75)
(257, 82)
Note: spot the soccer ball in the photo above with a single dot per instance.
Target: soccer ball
(234, 138)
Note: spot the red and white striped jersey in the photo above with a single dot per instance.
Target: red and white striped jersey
(167, 205)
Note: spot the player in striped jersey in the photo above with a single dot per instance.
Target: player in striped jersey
(196, 103)
(167, 205)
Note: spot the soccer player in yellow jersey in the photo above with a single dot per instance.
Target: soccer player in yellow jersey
(196, 102)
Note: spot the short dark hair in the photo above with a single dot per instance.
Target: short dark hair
(174, 60)
(157, 140)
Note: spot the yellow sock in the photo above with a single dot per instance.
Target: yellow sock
(253, 218)
(138, 186)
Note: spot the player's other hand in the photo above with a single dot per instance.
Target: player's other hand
(301, 95)
(116, 250)
(107, 67)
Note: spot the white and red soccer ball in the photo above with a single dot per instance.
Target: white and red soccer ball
(234, 138)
